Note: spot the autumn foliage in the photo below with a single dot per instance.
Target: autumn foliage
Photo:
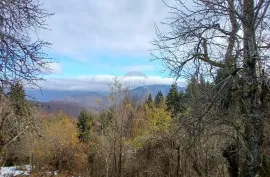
(58, 146)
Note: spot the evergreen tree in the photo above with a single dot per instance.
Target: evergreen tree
(149, 100)
(17, 98)
(106, 117)
(172, 100)
(84, 125)
(176, 102)
(191, 87)
(159, 99)
(182, 102)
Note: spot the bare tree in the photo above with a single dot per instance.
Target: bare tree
(228, 35)
(21, 56)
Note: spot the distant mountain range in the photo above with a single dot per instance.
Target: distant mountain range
(72, 102)
(69, 108)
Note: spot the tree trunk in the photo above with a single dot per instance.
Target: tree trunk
(178, 162)
(252, 111)
(120, 160)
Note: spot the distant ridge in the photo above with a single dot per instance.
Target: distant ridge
(50, 95)
(69, 108)
(72, 102)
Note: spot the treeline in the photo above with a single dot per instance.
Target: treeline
(180, 134)
(218, 127)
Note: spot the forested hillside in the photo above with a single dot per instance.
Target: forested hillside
(218, 126)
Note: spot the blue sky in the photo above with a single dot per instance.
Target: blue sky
(102, 63)
(95, 40)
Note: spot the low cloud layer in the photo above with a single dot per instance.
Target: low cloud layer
(102, 82)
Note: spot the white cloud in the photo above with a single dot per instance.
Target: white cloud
(139, 68)
(112, 26)
(52, 68)
(56, 68)
(102, 82)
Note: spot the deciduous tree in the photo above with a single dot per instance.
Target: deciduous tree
(21, 52)
(233, 35)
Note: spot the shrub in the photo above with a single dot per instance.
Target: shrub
(58, 147)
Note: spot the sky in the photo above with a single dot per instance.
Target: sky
(95, 40)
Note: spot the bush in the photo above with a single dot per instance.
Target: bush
(58, 147)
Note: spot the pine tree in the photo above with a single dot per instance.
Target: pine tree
(159, 99)
(172, 100)
(176, 102)
(149, 100)
(191, 87)
(17, 98)
(182, 102)
(84, 125)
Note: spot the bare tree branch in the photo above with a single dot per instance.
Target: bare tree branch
(21, 57)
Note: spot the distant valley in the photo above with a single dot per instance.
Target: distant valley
(72, 102)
